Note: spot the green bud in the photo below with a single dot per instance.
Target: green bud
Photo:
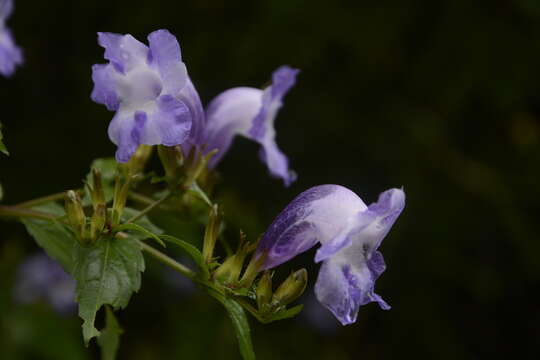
(121, 190)
(291, 288)
(99, 218)
(229, 271)
(75, 213)
(96, 191)
(252, 270)
(172, 160)
(211, 233)
(264, 291)
(138, 161)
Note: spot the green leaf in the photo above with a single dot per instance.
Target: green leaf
(106, 273)
(55, 238)
(2, 146)
(192, 251)
(240, 323)
(140, 229)
(108, 168)
(109, 339)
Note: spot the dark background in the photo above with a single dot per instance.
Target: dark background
(441, 97)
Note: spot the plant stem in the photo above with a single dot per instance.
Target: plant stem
(41, 200)
(15, 211)
(148, 208)
(170, 262)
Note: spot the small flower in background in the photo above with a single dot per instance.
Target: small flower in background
(349, 233)
(10, 54)
(251, 113)
(149, 89)
(40, 278)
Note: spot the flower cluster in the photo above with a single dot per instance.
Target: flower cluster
(156, 103)
(10, 54)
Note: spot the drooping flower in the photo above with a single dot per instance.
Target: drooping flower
(251, 112)
(350, 234)
(150, 90)
(10, 54)
(41, 278)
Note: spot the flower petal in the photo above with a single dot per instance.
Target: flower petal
(316, 215)
(169, 124)
(125, 132)
(346, 281)
(10, 54)
(165, 52)
(104, 91)
(6, 8)
(123, 51)
(190, 97)
(251, 112)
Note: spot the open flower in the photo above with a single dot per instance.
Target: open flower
(250, 112)
(10, 54)
(149, 89)
(349, 233)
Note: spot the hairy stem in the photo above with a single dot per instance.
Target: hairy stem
(41, 200)
(149, 208)
(170, 262)
(15, 211)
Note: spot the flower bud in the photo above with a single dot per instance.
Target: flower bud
(264, 291)
(291, 288)
(172, 160)
(121, 191)
(229, 271)
(211, 233)
(75, 213)
(138, 161)
(96, 191)
(99, 218)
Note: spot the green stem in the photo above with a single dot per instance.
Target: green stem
(148, 208)
(41, 200)
(170, 262)
(15, 211)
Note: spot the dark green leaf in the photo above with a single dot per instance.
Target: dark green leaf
(108, 168)
(109, 339)
(106, 273)
(2, 146)
(192, 251)
(55, 238)
(240, 323)
(138, 228)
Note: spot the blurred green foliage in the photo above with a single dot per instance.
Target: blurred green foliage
(441, 97)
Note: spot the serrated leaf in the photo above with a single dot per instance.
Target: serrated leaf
(55, 238)
(192, 251)
(109, 339)
(108, 168)
(240, 324)
(109, 272)
(138, 228)
(2, 146)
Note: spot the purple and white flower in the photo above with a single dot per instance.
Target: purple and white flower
(10, 54)
(156, 103)
(150, 90)
(349, 233)
(251, 112)
(41, 278)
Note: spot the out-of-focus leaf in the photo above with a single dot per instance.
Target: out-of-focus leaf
(107, 273)
(240, 324)
(143, 221)
(191, 250)
(1, 192)
(55, 238)
(109, 339)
